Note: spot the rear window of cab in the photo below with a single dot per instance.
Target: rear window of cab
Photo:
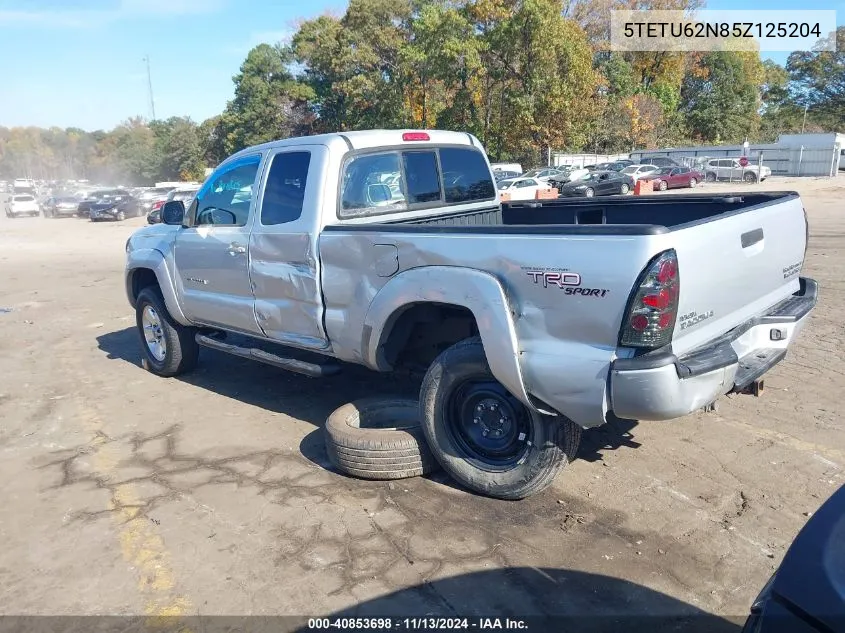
(408, 179)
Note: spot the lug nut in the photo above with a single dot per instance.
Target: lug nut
(484, 432)
(476, 420)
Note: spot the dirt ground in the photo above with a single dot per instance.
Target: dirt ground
(124, 493)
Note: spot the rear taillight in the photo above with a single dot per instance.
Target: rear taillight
(650, 319)
(158, 205)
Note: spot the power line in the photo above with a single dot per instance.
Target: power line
(150, 87)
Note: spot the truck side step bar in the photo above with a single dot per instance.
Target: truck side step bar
(312, 370)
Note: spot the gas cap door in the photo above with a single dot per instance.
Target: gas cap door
(386, 259)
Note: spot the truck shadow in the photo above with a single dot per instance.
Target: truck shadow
(517, 598)
(545, 599)
(312, 400)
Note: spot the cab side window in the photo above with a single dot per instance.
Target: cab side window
(225, 199)
(284, 191)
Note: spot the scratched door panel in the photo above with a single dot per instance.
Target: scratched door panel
(284, 261)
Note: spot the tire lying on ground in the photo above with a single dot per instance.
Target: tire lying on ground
(379, 438)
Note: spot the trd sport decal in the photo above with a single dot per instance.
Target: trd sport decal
(564, 280)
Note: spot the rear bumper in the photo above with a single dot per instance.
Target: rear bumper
(663, 386)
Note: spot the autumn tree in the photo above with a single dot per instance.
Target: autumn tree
(720, 96)
(179, 146)
(353, 65)
(818, 80)
(270, 103)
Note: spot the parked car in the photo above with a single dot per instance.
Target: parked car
(599, 183)
(568, 174)
(501, 174)
(506, 167)
(660, 161)
(61, 207)
(89, 198)
(673, 178)
(806, 592)
(543, 174)
(185, 195)
(522, 188)
(116, 205)
(732, 169)
(22, 204)
(616, 165)
(153, 198)
(638, 171)
(532, 319)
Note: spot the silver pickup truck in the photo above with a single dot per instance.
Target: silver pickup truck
(532, 320)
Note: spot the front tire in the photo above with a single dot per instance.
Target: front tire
(663, 186)
(693, 183)
(624, 189)
(485, 438)
(169, 348)
(589, 192)
(749, 177)
(710, 177)
(121, 216)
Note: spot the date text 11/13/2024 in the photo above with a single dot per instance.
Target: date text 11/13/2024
(416, 624)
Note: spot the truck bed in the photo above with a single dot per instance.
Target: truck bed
(641, 215)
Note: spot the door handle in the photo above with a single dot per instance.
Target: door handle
(236, 249)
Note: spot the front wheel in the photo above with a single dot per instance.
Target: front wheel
(749, 177)
(693, 183)
(484, 437)
(589, 192)
(663, 185)
(121, 215)
(169, 348)
(624, 189)
(710, 177)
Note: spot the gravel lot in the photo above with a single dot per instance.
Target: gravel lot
(129, 494)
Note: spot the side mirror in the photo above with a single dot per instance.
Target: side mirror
(173, 212)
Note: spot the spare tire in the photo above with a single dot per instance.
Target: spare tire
(379, 438)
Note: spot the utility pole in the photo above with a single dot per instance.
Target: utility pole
(804, 122)
(150, 87)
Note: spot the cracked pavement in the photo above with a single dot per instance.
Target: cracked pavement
(211, 494)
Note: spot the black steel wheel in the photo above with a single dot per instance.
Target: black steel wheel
(489, 426)
(482, 435)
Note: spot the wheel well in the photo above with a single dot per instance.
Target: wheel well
(142, 278)
(422, 331)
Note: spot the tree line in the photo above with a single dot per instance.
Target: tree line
(525, 76)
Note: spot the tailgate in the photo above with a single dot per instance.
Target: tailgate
(736, 266)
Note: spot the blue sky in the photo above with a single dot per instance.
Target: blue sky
(80, 62)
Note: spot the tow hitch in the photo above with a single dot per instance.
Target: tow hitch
(754, 388)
